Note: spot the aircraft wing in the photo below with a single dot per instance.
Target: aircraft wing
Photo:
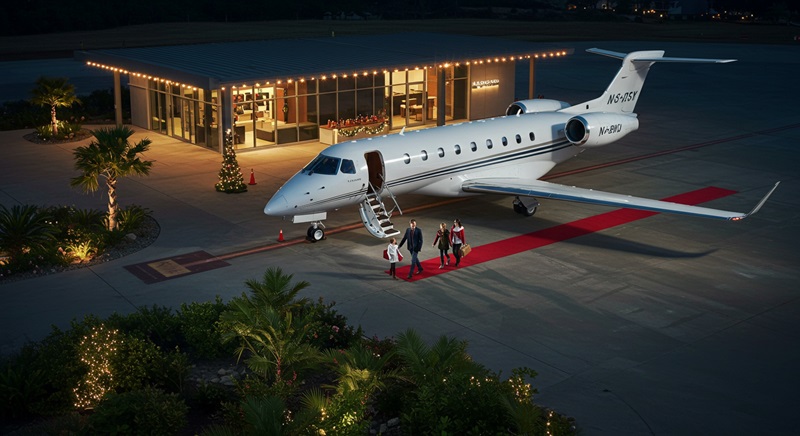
(542, 189)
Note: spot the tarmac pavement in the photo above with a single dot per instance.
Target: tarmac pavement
(666, 325)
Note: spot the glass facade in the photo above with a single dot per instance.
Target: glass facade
(285, 112)
(186, 113)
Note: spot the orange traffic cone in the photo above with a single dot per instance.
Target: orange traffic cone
(252, 177)
(280, 236)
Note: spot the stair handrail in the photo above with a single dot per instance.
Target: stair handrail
(391, 194)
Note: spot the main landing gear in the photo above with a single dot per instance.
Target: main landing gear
(523, 209)
(315, 232)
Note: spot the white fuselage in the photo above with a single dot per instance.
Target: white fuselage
(433, 161)
(506, 155)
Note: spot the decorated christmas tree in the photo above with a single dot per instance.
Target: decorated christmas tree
(230, 175)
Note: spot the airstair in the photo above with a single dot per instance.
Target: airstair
(374, 215)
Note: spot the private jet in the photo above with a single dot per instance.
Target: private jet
(505, 155)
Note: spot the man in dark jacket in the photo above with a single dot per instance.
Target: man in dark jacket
(414, 237)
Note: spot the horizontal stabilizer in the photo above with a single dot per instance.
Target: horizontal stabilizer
(634, 58)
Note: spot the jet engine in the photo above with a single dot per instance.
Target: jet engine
(596, 129)
(537, 105)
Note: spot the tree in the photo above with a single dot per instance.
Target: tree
(269, 335)
(54, 92)
(110, 156)
(231, 179)
(275, 290)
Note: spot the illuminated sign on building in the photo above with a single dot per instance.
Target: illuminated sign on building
(485, 83)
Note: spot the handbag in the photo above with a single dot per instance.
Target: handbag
(465, 249)
(399, 255)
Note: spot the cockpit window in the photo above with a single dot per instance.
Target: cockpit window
(323, 165)
(348, 167)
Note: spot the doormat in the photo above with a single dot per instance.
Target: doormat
(155, 271)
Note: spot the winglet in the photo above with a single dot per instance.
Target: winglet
(758, 206)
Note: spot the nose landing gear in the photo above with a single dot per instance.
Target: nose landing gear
(315, 232)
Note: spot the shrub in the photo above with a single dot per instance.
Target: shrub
(137, 364)
(73, 224)
(195, 322)
(21, 385)
(24, 229)
(57, 357)
(66, 129)
(22, 114)
(144, 411)
(328, 329)
(211, 396)
(132, 217)
(156, 323)
(71, 423)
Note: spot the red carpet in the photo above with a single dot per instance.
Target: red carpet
(541, 238)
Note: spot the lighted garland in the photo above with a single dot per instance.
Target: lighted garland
(96, 352)
(349, 133)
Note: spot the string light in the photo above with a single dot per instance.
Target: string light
(96, 352)
(540, 55)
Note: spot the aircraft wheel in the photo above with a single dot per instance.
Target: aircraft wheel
(519, 207)
(315, 234)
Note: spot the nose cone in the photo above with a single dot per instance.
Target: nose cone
(277, 206)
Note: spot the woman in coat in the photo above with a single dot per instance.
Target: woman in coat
(457, 239)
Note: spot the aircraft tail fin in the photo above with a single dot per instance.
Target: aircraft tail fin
(624, 90)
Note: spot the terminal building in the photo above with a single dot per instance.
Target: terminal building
(278, 92)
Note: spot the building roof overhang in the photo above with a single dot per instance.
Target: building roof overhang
(217, 65)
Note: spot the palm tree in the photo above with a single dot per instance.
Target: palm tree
(268, 330)
(447, 356)
(359, 369)
(264, 416)
(275, 344)
(110, 156)
(54, 92)
(275, 290)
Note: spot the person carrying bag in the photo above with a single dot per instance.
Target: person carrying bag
(465, 249)
(457, 240)
(392, 254)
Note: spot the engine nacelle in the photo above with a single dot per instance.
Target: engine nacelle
(537, 105)
(596, 129)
